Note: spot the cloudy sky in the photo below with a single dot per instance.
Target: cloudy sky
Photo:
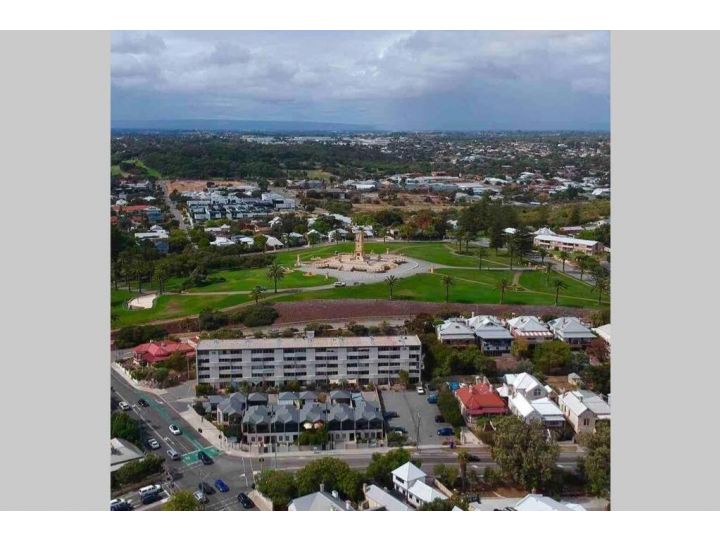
(390, 80)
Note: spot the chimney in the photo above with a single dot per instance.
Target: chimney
(322, 487)
(348, 506)
(335, 494)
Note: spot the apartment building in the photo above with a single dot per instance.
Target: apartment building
(274, 361)
(568, 244)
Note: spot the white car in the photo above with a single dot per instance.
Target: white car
(124, 406)
(420, 390)
(174, 429)
(339, 284)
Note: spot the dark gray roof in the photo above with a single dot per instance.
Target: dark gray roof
(233, 404)
(341, 413)
(308, 395)
(312, 412)
(286, 414)
(257, 414)
(258, 396)
(287, 396)
(340, 394)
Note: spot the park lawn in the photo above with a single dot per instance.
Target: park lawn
(289, 258)
(169, 307)
(538, 281)
(430, 288)
(248, 279)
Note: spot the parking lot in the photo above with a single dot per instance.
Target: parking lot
(411, 406)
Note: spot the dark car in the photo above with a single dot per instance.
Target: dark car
(391, 414)
(221, 486)
(121, 507)
(432, 399)
(245, 501)
(446, 432)
(150, 497)
(439, 418)
(143, 403)
(206, 488)
(207, 460)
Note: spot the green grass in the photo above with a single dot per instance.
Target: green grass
(246, 280)
(471, 286)
(168, 307)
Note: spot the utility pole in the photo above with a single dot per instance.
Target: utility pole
(417, 438)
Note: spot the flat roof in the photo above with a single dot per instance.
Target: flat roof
(304, 342)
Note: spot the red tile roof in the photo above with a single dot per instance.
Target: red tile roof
(157, 351)
(481, 399)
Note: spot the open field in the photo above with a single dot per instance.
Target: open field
(199, 185)
(168, 307)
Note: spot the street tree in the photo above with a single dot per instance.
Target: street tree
(601, 285)
(182, 500)
(596, 464)
(523, 453)
(564, 257)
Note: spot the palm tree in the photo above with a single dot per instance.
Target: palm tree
(564, 257)
(463, 457)
(511, 251)
(582, 264)
(160, 276)
(502, 285)
(548, 270)
(256, 294)
(557, 285)
(601, 285)
(276, 272)
(391, 281)
(447, 281)
(543, 253)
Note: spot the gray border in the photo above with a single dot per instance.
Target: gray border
(55, 141)
(665, 117)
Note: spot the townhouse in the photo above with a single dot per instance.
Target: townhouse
(583, 409)
(530, 328)
(571, 331)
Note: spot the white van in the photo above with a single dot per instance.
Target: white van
(174, 454)
(154, 488)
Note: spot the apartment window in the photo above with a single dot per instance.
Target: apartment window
(586, 421)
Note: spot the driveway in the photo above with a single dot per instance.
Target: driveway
(414, 411)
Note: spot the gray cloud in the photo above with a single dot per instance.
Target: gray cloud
(372, 73)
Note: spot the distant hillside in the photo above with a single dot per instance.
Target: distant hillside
(249, 126)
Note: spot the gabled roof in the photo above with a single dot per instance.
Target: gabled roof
(529, 324)
(425, 493)
(257, 414)
(533, 502)
(233, 404)
(409, 472)
(287, 396)
(386, 499)
(318, 501)
(579, 401)
(523, 382)
(570, 327)
(480, 397)
(454, 329)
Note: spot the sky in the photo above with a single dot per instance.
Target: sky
(391, 80)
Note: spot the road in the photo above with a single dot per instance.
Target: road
(173, 208)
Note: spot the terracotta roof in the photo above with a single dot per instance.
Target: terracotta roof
(480, 399)
(157, 351)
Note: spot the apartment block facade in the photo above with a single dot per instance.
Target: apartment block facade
(274, 361)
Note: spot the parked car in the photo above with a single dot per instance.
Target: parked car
(439, 418)
(152, 444)
(149, 498)
(432, 398)
(399, 430)
(200, 497)
(245, 501)
(339, 284)
(174, 429)
(391, 414)
(143, 403)
(446, 432)
(152, 488)
(124, 406)
(207, 460)
(174, 454)
(206, 488)
(221, 486)
(122, 506)
(420, 390)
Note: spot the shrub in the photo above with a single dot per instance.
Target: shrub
(135, 471)
(259, 315)
(212, 320)
(130, 336)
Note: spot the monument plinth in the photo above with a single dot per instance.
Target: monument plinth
(358, 261)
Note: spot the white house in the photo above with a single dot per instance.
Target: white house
(221, 241)
(455, 332)
(409, 481)
(583, 409)
(320, 501)
(571, 330)
(273, 242)
(541, 410)
(377, 498)
(524, 384)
